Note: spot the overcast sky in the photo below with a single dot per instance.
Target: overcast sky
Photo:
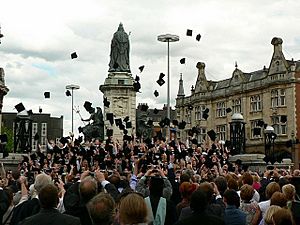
(40, 35)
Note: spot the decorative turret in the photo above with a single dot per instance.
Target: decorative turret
(278, 63)
(201, 83)
(180, 89)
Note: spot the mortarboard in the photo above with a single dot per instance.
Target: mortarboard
(36, 136)
(47, 94)
(87, 105)
(155, 111)
(126, 119)
(206, 110)
(63, 140)
(121, 126)
(150, 122)
(141, 68)
(127, 137)
(109, 132)
(165, 122)
(125, 131)
(205, 116)
(283, 119)
(175, 122)
(110, 117)
(80, 129)
(136, 86)
(156, 94)
(137, 78)
(106, 102)
(144, 107)
(181, 125)
(212, 135)
(189, 32)
(261, 123)
(256, 131)
(128, 124)
(194, 141)
(74, 55)
(68, 93)
(118, 122)
(182, 61)
(161, 76)
(198, 37)
(160, 82)
(20, 107)
(228, 110)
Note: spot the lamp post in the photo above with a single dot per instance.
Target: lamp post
(270, 137)
(168, 38)
(72, 87)
(237, 134)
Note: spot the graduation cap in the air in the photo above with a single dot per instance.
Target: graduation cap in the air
(189, 32)
(74, 55)
(198, 37)
(228, 110)
(68, 93)
(141, 68)
(36, 136)
(256, 131)
(106, 102)
(182, 61)
(261, 123)
(160, 82)
(206, 110)
(205, 116)
(127, 137)
(110, 118)
(212, 135)
(175, 122)
(128, 125)
(118, 122)
(137, 78)
(164, 122)
(136, 86)
(283, 119)
(194, 141)
(121, 126)
(182, 125)
(47, 94)
(87, 105)
(156, 94)
(63, 140)
(150, 122)
(109, 132)
(144, 107)
(155, 111)
(20, 107)
(126, 119)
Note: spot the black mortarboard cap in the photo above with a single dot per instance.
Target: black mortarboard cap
(150, 122)
(175, 122)
(68, 93)
(136, 86)
(63, 140)
(155, 111)
(141, 68)
(256, 131)
(205, 116)
(109, 132)
(228, 110)
(126, 119)
(74, 55)
(206, 110)
(144, 107)
(160, 82)
(189, 32)
(118, 122)
(110, 117)
(137, 78)
(125, 131)
(212, 135)
(122, 126)
(283, 119)
(80, 129)
(198, 37)
(36, 136)
(261, 123)
(182, 61)
(87, 105)
(181, 125)
(161, 76)
(20, 107)
(162, 123)
(127, 137)
(194, 141)
(106, 102)
(47, 94)
(156, 94)
(128, 124)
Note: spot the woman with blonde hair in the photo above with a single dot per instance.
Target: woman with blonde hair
(267, 219)
(133, 210)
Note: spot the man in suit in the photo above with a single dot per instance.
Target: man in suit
(49, 215)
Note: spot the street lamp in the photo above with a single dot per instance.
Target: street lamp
(168, 38)
(237, 134)
(270, 137)
(72, 87)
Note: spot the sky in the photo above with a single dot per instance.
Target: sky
(39, 37)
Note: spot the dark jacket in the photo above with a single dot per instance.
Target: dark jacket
(3, 204)
(50, 217)
(201, 218)
(234, 216)
(24, 210)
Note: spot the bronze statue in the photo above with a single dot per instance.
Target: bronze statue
(94, 129)
(119, 54)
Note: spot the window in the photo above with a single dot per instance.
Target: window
(236, 106)
(201, 134)
(256, 130)
(188, 115)
(278, 97)
(221, 132)
(199, 112)
(255, 103)
(279, 124)
(44, 130)
(221, 110)
(33, 133)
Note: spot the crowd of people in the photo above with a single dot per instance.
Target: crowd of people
(144, 182)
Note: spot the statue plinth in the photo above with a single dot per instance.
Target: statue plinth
(118, 89)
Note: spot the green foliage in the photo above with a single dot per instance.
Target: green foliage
(10, 138)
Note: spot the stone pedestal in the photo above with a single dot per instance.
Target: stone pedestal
(118, 89)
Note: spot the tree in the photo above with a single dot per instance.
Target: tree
(10, 138)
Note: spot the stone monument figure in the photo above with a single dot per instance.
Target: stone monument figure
(143, 129)
(94, 129)
(119, 53)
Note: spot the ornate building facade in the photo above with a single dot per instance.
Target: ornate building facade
(270, 96)
(3, 91)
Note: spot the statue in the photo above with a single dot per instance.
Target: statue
(143, 129)
(119, 53)
(94, 129)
